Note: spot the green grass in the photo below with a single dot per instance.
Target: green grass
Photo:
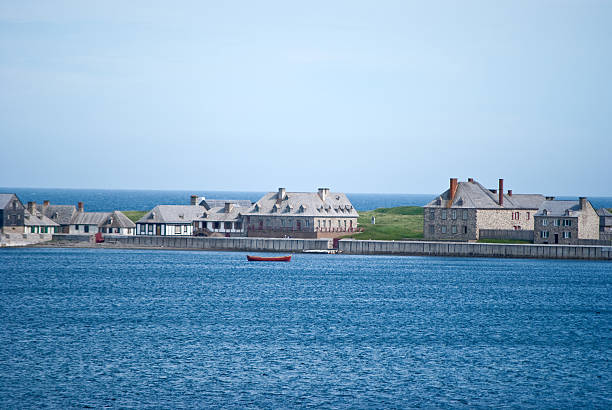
(134, 215)
(402, 222)
(503, 241)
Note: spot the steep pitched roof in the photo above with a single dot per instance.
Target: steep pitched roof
(604, 212)
(215, 203)
(474, 195)
(37, 219)
(559, 208)
(5, 199)
(90, 218)
(117, 220)
(173, 214)
(61, 214)
(304, 204)
(219, 214)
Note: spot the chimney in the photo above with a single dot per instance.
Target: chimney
(81, 208)
(228, 207)
(583, 202)
(32, 207)
(45, 206)
(501, 192)
(194, 199)
(453, 191)
(471, 180)
(282, 194)
(509, 192)
(323, 192)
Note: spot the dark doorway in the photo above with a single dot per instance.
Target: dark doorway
(158, 230)
(556, 238)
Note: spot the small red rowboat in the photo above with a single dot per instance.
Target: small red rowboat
(269, 259)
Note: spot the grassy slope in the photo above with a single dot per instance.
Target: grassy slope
(134, 215)
(391, 223)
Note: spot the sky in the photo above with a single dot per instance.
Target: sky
(359, 96)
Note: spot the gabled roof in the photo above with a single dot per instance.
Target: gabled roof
(117, 219)
(173, 214)
(559, 208)
(218, 214)
(61, 214)
(304, 204)
(474, 195)
(5, 199)
(604, 212)
(215, 203)
(89, 218)
(37, 220)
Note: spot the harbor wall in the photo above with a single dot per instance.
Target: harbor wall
(234, 244)
(463, 249)
(506, 234)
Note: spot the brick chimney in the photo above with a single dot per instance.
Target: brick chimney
(282, 194)
(45, 206)
(453, 191)
(323, 192)
(501, 192)
(471, 180)
(80, 207)
(509, 192)
(583, 202)
(228, 207)
(194, 199)
(32, 207)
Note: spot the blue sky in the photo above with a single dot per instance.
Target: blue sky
(375, 96)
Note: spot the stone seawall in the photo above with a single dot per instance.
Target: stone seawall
(463, 249)
(234, 244)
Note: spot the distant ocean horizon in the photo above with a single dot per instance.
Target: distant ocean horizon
(105, 200)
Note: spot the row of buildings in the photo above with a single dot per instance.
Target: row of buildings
(467, 210)
(321, 214)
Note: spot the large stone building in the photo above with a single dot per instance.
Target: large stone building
(465, 208)
(566, 222)
(321, 214)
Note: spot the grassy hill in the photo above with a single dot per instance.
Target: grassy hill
(402, 222)
(134, 215)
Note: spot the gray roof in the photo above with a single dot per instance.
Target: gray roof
(215, 203)
(90, 218)
(559, 208)
(304, 204)
(5, 199)
(117, 219)
(37, 219)
(604, 212)
(62, 214)
(218, 214)
(474, 195)
(173, 214)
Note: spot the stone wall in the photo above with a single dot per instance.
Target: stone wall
(588, 223)
(555, 233)
(503, 219)
(463, 249)
(509, 234)
(434, 217)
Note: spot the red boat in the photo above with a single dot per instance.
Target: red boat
(251, 258)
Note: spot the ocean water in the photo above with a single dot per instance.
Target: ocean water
(126, 200)
(130, 328)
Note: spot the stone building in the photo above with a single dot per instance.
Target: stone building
(60, 214)
(321, 214)
(461, 211)
(566, 222)
(36, 222)
(12, 214)
(605, 221)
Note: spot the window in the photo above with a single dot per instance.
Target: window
(557, 222)
(465, 214)
(76, 227)
(86, 228)
(227, 225)
(432, 214)
(544, 234)
(544, 222)
(444, 214)
(454, 229)
(443, 228)
(431, 229)
(15, 205)
(216, 225)
(238, 225)
(454, 214)
(185, 228)
(567, 234)
(528, 214)
(465, 229)
(567, 222)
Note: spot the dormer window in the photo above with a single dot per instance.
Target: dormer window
(302, 208)
(256, 208)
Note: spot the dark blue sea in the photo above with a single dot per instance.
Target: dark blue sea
(141, 200)
(173, 329)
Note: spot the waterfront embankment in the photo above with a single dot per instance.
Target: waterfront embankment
(346, 246)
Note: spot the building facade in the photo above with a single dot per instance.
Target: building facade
(12, 214)
(459, 213)
(566, 222)
(321, 214)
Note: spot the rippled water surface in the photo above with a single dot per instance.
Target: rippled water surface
(203, 329)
